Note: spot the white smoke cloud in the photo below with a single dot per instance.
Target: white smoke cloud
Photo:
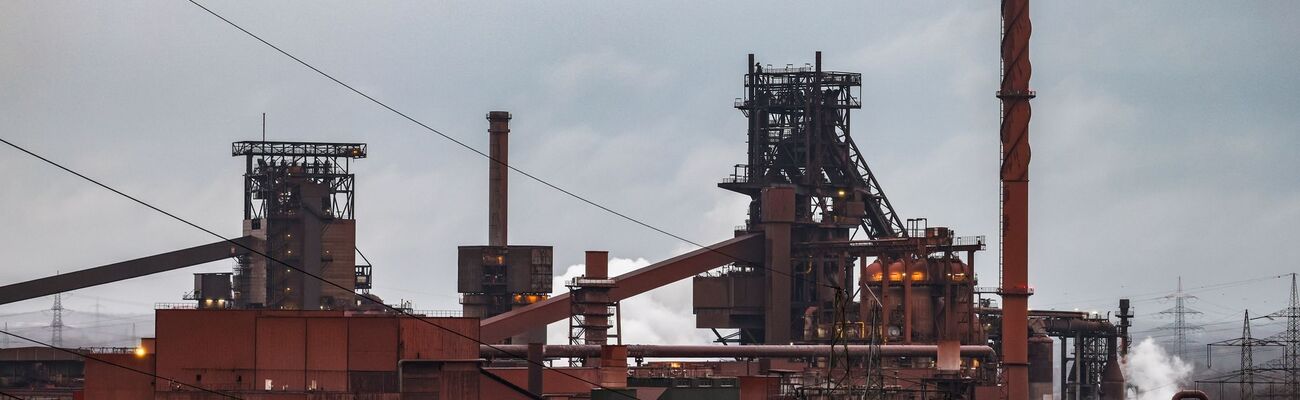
(1153, 373)
(660, 316)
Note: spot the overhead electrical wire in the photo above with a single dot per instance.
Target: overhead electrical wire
(466, 146)
(126, 367)
(430, 129)
(286, 265)
(427, 127)
(1148, 296)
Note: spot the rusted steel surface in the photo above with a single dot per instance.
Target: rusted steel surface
(126, 269)
(1015, 96)
(778, 217)
(748, 247)
(498, 176)
(715, 351)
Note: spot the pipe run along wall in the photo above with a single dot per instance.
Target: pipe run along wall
(713, 351)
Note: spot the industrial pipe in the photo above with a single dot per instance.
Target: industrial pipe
(1191, 394)
(748, 351)
(1088, 327)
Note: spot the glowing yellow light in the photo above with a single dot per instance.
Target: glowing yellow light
(841, 193)
(918, 276)
(877, 276)
(139, 351)
(896, 276)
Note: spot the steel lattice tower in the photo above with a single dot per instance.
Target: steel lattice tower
(1290, 339)
(1247, 378)
(1179, 312)
(56, 325)
(1247, 374)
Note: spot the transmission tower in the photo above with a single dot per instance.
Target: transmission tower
(56, 326)
(1180, 327)
(1289, 363)
(1247, 373)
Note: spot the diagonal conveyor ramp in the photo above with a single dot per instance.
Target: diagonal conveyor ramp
(127, 269)
(743, 248)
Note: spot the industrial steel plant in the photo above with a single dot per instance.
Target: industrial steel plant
(828, 291)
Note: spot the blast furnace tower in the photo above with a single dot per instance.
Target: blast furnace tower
(299, 198)
(825, 217)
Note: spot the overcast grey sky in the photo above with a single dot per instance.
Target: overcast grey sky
(1164, 133)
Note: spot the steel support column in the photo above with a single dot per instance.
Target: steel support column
(778, 215)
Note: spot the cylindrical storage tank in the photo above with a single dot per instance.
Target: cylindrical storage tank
(1040, 367)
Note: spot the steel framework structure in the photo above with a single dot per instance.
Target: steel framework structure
(799, 124)
(1180, 326)
(1247, 374)
(269, 165)
(1289, 364)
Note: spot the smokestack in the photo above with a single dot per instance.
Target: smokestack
(498, 175)
(1014, 288)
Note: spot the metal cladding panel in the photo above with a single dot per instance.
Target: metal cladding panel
(420, 340)
(281, 352)
(572, 380)
(339, 243)
(213, 286)
(519, 263)
(597, 264)
(440, 379)
(759, 387)
(719, 299)
(373, 382)
(778, 204)
(213, 343)
(710, 292)
(469, 269)
(112, 382)
(529, 269)
(372, 343)
(327, 353)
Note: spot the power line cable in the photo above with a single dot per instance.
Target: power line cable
(492, 159)
(1147, 296)
(295, 268)
(92, 357)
